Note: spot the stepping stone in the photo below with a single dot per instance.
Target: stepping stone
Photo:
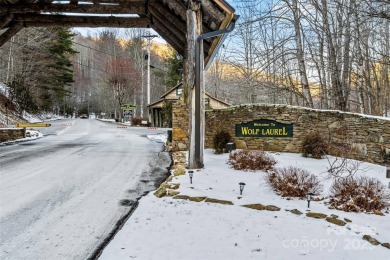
(255, 206)
(197, 199)
(172, 193)
(335, 221)
(181, 197)
(372, 240)
(315, 215)
(224, 202)
(272, 208)
(296, 212)
(387, 245)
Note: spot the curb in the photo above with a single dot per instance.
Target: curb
(118, 226)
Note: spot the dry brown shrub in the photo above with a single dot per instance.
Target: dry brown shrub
(314, 145)
(359, 194)
(293, 182)
(251, 160)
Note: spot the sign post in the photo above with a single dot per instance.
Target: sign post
(128, 111)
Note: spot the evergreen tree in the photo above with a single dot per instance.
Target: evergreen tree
(175, 70)
(55, 83)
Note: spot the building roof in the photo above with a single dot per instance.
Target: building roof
(167, 17)
(162, 98)
(220, 101)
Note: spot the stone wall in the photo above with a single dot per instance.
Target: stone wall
(9, 134)
(369, 136)
(180, 125)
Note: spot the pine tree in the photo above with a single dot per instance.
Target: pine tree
(175, 69)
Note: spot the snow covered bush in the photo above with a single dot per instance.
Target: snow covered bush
(251, 160)
(220, 140)
(314, 145)
(359, 194)
(293, 182)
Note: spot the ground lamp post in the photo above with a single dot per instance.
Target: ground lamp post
(242, 185)
(388, 174)
(191, 174)
(309, 197)
(230, 147)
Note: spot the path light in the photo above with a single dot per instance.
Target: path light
(309, 197)
(242, 185)
(191, 174)
(230, 147)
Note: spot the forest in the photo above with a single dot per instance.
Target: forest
(325, 54)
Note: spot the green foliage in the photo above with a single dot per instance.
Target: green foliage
(44, 70)
(251, 160)
(59, 65)
(293, 182)
(21, 94)
(175, 69)
(220, 140)
(314, 145)
(167, 114)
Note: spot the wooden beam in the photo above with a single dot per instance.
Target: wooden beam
(14, 29)
(176, 42)
(37, 20)
(6, 20)
(178, 7)
(173, 27)
(212, 11)
(163, 11)
(174, 45)
(137, 7)
(225, 23)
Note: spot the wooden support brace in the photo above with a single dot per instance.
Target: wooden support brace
(14, 29)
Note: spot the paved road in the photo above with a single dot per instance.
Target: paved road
(59, 195)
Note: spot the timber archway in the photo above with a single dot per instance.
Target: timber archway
(186, 25)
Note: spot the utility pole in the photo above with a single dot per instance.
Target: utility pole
(149, 37)
(142, 88)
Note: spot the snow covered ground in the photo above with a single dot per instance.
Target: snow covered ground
(170, 228)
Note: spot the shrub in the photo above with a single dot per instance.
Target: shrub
(293, 182)
(136, 121)
(251, 160)
(220, 140)
(359, 194)
(314, 145)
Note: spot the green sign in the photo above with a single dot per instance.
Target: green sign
(264, 128)
(128, 107)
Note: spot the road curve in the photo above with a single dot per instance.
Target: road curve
(59, 195)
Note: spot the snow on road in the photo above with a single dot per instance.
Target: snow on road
(60, 194)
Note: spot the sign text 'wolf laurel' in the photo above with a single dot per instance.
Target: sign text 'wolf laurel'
(264, 128)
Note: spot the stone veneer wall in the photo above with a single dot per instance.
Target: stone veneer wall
(8, 134)
(370, 136)
(180, 126)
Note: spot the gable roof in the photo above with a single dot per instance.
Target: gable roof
(167, 17)
(172, 89)
(217, 99)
